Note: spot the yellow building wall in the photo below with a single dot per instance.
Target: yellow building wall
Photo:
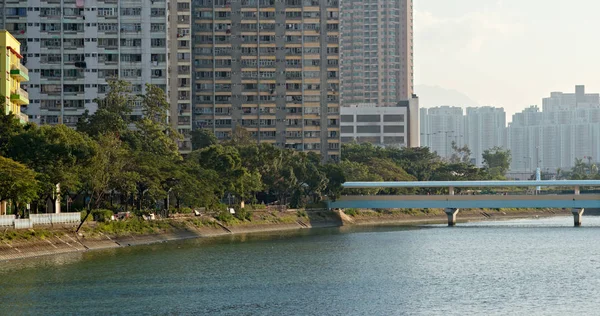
(10, 82)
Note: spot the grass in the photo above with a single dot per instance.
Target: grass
(29, 234)
(137, 227)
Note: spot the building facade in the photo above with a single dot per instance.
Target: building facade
(485, 128)
(444, 125)
(567, 129)
(271, 67)
(74, 47)
(13, 73)
(180, 70)
(395, 126)
(377, 51)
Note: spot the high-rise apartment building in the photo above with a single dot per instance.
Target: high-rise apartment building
(565, 101)
(567, 129)
(485, 128)
(444, 125)
(271, 67)
(377, 51)
(73, 47)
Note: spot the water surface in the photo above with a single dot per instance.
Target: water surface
(535, 267)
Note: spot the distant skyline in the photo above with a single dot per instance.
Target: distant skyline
(507, 53)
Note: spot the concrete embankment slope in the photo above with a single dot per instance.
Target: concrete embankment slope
(64, 240)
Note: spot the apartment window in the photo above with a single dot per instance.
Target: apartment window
(107, 11)
(131, 57)
(131, 11)
(131, 73)
(158, 42)
(131, 42)
(157, 27)
(107, 42)
(107, 27)
(183, 6)
(156, 12)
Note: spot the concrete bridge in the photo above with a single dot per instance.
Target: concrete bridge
(452, 203)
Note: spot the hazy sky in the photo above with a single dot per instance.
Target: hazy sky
(508, 53)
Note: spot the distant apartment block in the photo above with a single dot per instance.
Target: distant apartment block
(443, 125)
(13, 73)
(480, 129)
(567, 129)
(396, 126)
(270, 67)
(564, 101)
(377, 51)
(485, 128)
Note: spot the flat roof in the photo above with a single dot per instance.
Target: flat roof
(469, 184)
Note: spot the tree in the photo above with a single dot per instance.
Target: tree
(240, 137)
(234, 177)
(358, 172)
(387, 170)
(17, 182)
(113, 114)
(419, 162)
(460, 154)
(496, 161)
(107, 169)
(9, 127)
(59, 156)
(202, 138)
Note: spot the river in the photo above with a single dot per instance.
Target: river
(520, 267)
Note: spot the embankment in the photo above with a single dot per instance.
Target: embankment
(56, 240)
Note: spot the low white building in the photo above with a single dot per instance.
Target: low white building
(396, 126)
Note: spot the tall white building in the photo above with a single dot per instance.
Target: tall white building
(567, 129)
(377, 51)
(485, 128)
(443, 125)
(73, 47)
(565, 101)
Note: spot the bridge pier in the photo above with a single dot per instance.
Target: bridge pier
(577, 215)
(451, 212)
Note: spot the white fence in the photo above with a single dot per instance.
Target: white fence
(39, 219)
(23, 223)
(59, 218)
(7, 220)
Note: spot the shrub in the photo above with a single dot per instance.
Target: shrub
(185, 210)
(102, 215)
(243, 214)
(225, 217)
(351, 211)
(301, 213)
(258, 206)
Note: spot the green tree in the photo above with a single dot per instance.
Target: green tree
(387, 170)
(202, 138)
(496, 161)
(460, 154)
(59, 156)
(113, 114)
(18, 183)
(9, 127)
(107, 169)
(358, 172)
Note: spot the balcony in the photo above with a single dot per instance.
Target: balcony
(20, 97)
(20, 73)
